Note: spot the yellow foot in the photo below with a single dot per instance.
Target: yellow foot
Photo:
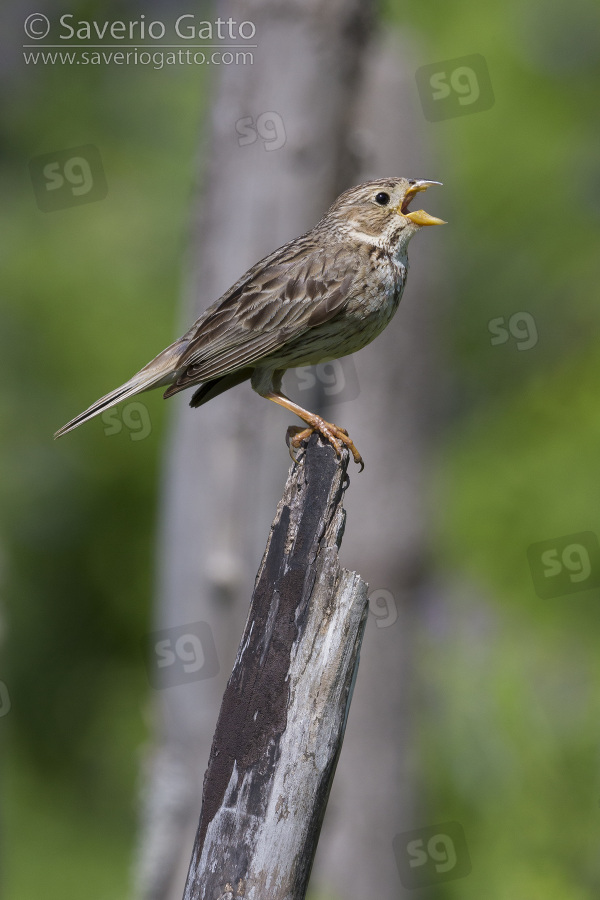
(332, 433)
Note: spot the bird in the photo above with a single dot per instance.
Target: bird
(321, 296)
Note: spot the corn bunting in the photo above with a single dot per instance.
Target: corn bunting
(321, 296)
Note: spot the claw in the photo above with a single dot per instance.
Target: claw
(336, 436)
(295, 434)
(291, 435)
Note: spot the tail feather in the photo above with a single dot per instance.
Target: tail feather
(159, 371)
(134, 386)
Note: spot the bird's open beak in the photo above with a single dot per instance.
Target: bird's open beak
(419, 217)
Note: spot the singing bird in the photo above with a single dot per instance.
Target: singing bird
(324, 295)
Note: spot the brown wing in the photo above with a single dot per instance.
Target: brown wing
(283, 296)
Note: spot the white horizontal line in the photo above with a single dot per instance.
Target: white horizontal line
(141, 46)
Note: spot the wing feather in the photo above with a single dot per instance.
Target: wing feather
(277, 301)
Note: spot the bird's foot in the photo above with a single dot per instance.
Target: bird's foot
(336, 436)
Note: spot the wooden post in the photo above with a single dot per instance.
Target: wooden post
(283, 715)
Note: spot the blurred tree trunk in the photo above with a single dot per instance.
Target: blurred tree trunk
(226, 464)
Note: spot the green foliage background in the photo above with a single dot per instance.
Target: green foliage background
(508, 723)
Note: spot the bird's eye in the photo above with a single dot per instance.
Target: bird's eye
(382, 198)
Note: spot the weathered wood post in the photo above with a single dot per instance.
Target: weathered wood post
(282, 720)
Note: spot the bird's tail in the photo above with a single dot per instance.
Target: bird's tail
(160, 371)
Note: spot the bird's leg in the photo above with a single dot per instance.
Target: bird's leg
(332, 433)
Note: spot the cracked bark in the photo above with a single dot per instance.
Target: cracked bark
(284, 712)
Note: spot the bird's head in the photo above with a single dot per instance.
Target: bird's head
(378, 212)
